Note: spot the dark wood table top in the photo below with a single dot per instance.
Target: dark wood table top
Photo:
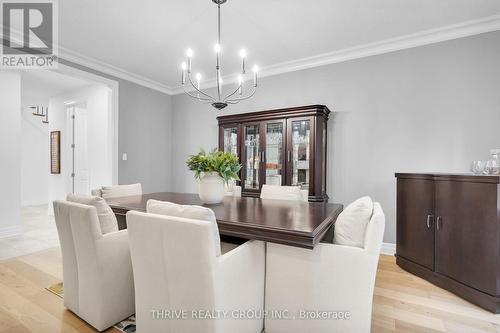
(294, 223)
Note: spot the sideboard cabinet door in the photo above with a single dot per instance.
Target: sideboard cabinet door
(415, 211)
(467, 233)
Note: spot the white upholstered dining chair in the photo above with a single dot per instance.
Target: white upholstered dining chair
(108, 192)
(97, 269)
(177, 267)
(278, 192)
(330, 277)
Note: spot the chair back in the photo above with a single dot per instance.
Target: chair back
(374, 234)
(278, 192)
(78, 228)
(174, 262)
(116, 191)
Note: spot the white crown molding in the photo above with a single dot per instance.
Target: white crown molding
(455, 31)
(92, 63)
(106, 68)
(388, 249)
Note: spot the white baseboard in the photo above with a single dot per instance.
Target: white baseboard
(10, 231)
(388, 249)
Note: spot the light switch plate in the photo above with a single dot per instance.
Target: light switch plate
(124, 157)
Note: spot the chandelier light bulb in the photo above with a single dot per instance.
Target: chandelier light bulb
(184, 67)
(217, 48)
(240, 88)
(198, 79)
(189, 53)
(243, 53)
(255, 70)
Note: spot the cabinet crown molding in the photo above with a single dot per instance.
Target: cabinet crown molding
(283, 113)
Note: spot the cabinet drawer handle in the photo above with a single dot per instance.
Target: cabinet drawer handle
(289, 155)
(439, 223)
(429, 223)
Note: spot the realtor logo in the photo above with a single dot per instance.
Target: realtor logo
(29, 34)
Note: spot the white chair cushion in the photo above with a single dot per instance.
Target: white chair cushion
(121, 190)
(107, 218)
(189, 212)
(351, 224)
(281, 192)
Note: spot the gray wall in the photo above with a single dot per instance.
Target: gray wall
(145, 128)
(431, 108)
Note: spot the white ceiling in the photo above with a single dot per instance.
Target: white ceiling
(149, 38)
(45, 83)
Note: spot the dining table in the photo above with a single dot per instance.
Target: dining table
(294, 223)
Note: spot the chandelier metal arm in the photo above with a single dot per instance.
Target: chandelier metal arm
(234, 92)
(217, 66)
(236, 100)
(197, 97)
(199, 90)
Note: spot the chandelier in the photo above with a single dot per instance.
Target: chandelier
(219, 101)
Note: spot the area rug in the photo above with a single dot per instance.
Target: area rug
(126, 326)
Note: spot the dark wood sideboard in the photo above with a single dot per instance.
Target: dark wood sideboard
(448, 233)
(279, 147)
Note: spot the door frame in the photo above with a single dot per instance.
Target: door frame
(113, 124)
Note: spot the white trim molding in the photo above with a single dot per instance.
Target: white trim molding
(112, 70)
(388, 249)
(10, 231)
(426, 37)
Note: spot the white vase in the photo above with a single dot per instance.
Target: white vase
(211, 188)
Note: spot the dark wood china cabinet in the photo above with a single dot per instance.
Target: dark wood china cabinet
(279, 147)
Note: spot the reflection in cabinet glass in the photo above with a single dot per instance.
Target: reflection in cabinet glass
(251, 164)
(231, 140)
(301, 133)
(274, 153)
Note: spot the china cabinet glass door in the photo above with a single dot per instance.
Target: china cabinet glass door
(230, 139)
(274, 153)
(299, 152)
(251, 157)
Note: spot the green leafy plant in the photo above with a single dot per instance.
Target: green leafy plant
(224, 163)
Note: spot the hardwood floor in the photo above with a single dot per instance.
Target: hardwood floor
(402, 302)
